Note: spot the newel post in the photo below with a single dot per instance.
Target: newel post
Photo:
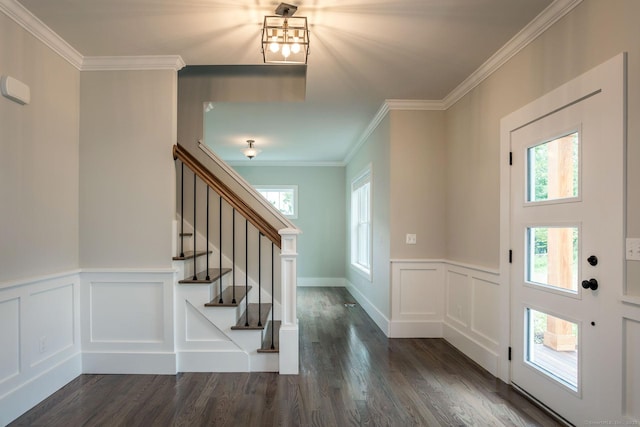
(289, 357)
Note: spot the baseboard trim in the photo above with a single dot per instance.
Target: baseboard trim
(376, 315)
(324, 282)
(415, 329)
(129, 363)
(26, 396)
(484, 357)
(212, 361)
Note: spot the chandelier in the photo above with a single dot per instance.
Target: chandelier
(285, 39)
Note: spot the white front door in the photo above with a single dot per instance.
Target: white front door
(567, 241)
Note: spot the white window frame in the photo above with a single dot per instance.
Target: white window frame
(362, 217)
(280, 188)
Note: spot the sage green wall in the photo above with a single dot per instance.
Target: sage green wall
(592, 33)
(375, 151)
(38, 159)
(417, 186)
(321, 214)
(127, 172)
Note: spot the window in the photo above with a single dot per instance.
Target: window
(283, 197)
(361, 222)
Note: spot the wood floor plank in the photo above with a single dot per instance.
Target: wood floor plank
(350, 375)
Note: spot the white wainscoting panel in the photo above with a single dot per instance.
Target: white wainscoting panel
(458, 286)
(40, 336)
(10, 339)
(139, 316)
(631, 366)
(127, 321)
(472, 318)
(416, 299)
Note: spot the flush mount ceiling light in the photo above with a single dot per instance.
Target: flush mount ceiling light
(250, 151)
(285, 39)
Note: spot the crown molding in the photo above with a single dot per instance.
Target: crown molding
(134, 63)
(39, 30)
(283, 163)
(415, 104)
(529, 33)
(46, 35)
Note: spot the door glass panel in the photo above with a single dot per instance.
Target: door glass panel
(551, 346)
(552, 169)
(552, 257)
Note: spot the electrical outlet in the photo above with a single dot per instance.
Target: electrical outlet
(411, 239)
(633, 249)
(42, 344)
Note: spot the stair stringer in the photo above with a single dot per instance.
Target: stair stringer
(205, 341)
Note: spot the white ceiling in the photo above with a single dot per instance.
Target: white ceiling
(362, 52)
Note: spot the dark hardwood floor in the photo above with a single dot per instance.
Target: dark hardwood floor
(350, 375)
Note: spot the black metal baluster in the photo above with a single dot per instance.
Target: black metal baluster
(207, 277)
(195, 232)
(273, 321)
(182, 210)
(233, 255)
(259, 279)
(246, 271)
(220, 250)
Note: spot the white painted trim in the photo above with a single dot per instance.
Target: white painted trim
(41, 31)
(415, 329)
(244, 184)
(27, 20)
(529, 33)
(377, 119)
(415, 104)
(36, 279)
(213, 361)
(472, 348)
(132, 63)
(129, 270)
(322, 282)
(29, 394)
(155, 363)
(376, 315)
(280, 164)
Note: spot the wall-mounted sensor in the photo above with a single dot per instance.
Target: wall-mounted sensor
(15, 90)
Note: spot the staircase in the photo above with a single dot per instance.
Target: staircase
(231, 278)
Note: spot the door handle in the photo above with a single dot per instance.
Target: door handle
(590, 284)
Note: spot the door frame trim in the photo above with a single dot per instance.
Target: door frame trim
(597, 79)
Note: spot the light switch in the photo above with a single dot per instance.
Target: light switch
(411, 239)
(633, 249)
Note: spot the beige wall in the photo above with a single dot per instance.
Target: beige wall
(374, 151)
(417, 187)
(127, 173)
(38, 160)
(589, 35)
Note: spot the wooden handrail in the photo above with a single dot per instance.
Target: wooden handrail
(179, 152)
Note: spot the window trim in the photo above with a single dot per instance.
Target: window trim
(364, 177)
(278, 188)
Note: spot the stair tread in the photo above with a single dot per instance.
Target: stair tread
(190, 255)
(266, 343)
(186, 234)
(213, 273)
(253, 317)
(227, 297)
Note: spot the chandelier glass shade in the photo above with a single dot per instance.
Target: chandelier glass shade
(285, 40)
